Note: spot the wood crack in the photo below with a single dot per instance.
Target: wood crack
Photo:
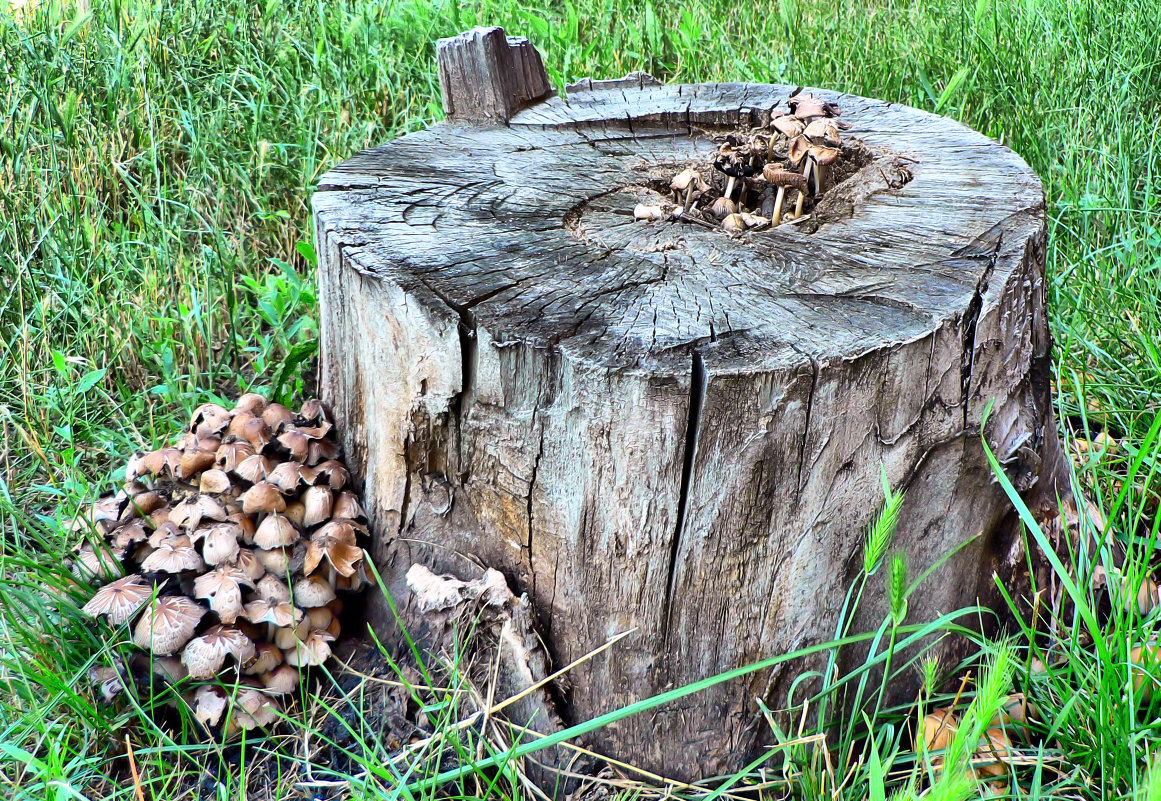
(697, 389)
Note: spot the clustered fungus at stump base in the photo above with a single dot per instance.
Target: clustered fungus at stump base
(240, 535)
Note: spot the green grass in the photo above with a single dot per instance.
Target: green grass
(156, 164)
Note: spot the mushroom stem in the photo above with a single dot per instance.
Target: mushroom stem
(729, 187)
(330, 573)
(777, 216)
(688, 199)
(802, 195)
(270, 631)
(820, 176)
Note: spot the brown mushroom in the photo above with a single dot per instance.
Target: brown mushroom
(250, 403)
(209, 702)
(313, 650)
(318, 501)
(783, 180)
(268, 656)
(254, 468)
(214, 481)
(261, 499)
(173, 555)
(276, 531)
(276, 416)
(276, 560)
(312, 591)
(334, 474)
(221, 544)
(281, 680)
(231, 454)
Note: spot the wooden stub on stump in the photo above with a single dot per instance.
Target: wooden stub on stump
(657, 426)
(487, 75)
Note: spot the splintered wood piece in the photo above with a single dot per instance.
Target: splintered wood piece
(658, 426)
(486, 75)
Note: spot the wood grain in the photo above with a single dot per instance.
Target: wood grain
(657, 426)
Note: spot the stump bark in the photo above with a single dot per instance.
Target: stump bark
(659, 427)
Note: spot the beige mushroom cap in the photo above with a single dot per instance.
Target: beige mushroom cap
(271, 610)
(823, 131)
(209, 702)
(253, 709)
(313, 650)
(343, 554)
(250, 403)
(120, 600)
(231, 454)
(777, 176)
(247, 562)
(318, 501)
(262, 498)
(214, 480)
(332, 473)
(188, 514)
(346, 507)
(174, 555)
(209, 419)
(787, 125)
(222, 587)
(93, 564)
(267, 657)
(313, 591)
(321, 450)
(193, 462)
(221, 545)
(276, 415)
(297, 443)
(205, 655)
(314, 411)
(281, 680)
(168, 624)
(288, 476)
(254, 468)
(275, 531)
(272, 587)
(275, 560)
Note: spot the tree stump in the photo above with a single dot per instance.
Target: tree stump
(660, 427)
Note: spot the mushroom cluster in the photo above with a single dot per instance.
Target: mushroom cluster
(228, 551)
(757, 177)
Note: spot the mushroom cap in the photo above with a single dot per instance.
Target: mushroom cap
(253, 709)
(209, 419)
(734, 223)
(334, 473)
(288, 476)
(246, 523)
(312, 591)
(296, 442)
(221, 545)
(193, 462)
(276, 415)
(343, 555)
(275, 531)
(270, 610)
(215, 481)
(723, 207)
(119, 600)
(799, 147)
(173, 555)
(203, 656)
(824, 155)
(321, 450)
(275, 560)
(314, 649)
(318, 501)
(209, 702)
(165, 532)
(188, 514)
(167, 624)
(314, 411)
(271, 587)
(256, 432)
(346, 507)
(262, 498)
(143, 504)
(248, 563)
(777, 176)
(231, 454)
(128, 534)
(222, 588)
(281, 680)
(823, 131)
(320, 617)
(253, 468)
(684, 179)
(250, 403)
(806, 106)
(295, 511)
(787, 125)
(267, 657)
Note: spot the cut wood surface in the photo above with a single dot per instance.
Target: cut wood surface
(657, 426)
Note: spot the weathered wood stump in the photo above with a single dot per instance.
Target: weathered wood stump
(659, 426)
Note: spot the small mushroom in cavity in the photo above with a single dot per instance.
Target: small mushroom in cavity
(646, 212)
(734, 224)
(723, 207)
(783, 179)
(686, 186)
